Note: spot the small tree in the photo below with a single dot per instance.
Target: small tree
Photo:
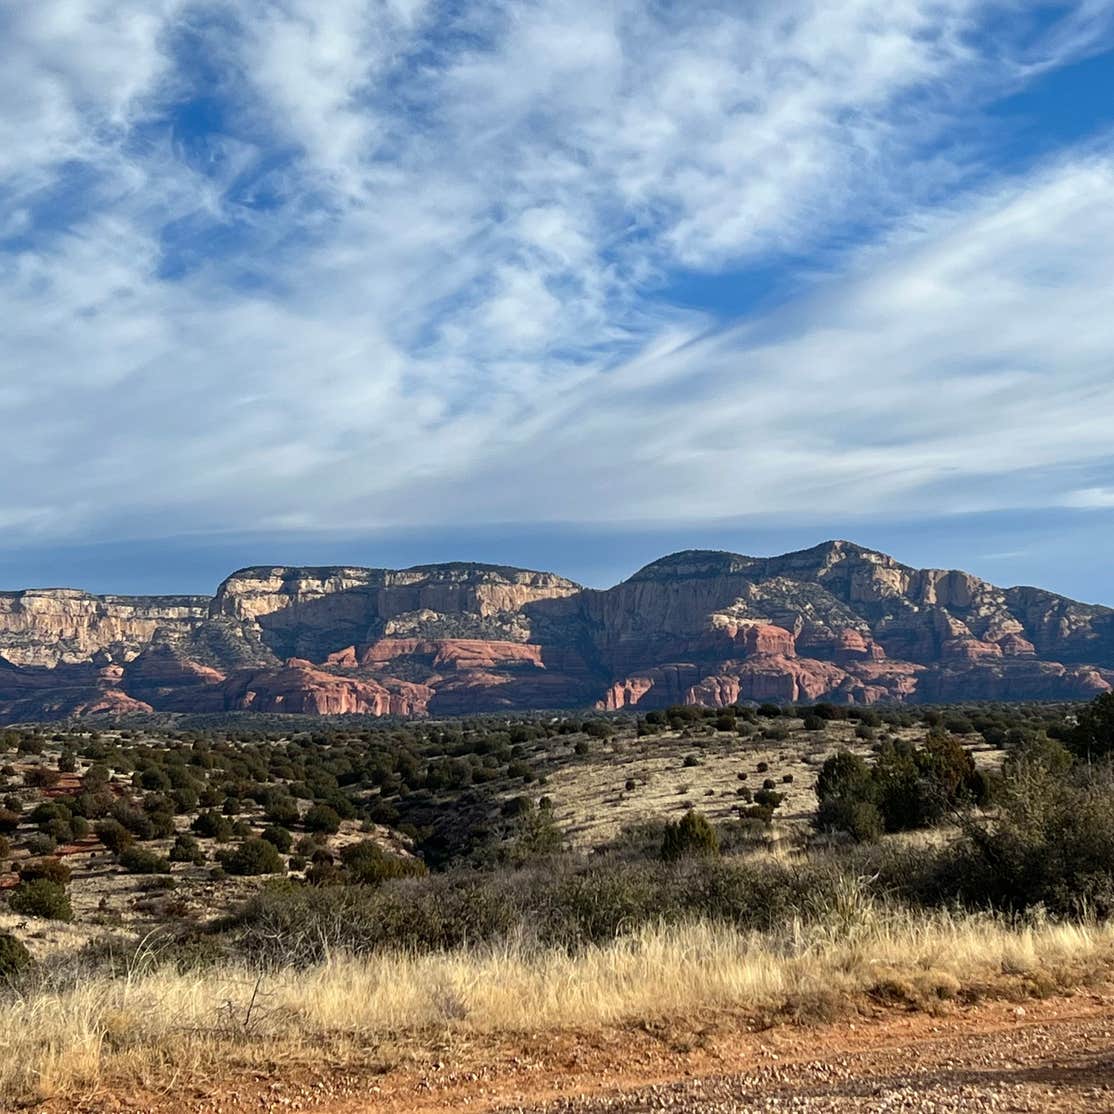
(1093, 736)
(212, 825)
(41, 898)
(186, 849)
(691, 835)
(322, 818)
(113, 835)
(253, 856)
(52, 869)
(367, 864)
(138, 860)
(280, 837)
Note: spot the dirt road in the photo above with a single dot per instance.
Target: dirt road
(1064, 1066)
(1055, 1055)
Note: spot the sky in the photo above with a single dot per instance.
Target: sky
(562, 283)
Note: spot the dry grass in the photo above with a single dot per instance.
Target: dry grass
(157, 1027)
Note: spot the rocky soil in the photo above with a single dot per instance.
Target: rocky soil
(1052, 1055)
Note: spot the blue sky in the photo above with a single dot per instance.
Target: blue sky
(560, 283)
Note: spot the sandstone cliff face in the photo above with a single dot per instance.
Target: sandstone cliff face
(300, 687)
(316, 612)
(834, 622)
(64, 626)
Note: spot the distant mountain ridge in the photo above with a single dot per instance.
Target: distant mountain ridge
(836, 622)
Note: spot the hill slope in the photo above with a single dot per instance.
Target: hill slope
(836, 622)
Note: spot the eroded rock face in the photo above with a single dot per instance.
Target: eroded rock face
(316, 612)
(300, 687)
(55, 626)
(835, 622)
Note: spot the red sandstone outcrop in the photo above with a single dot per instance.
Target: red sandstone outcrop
(1014, 646)
(969, 649)
(458, 653)
(764, 638)
(299, 686)
(834, 622)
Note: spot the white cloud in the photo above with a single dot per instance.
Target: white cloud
(1090, 498)
(409, 284)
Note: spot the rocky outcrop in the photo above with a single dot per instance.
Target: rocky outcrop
(452, 654)
(312, 613)
(300, 687)
(835, 622)
(38, 693)
(62, 626)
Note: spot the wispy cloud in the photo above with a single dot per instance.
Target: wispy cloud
(291, 264)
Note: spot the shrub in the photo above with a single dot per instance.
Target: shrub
(844, 775)
(279, 837)
(139, 860)
(41, 844)
(41, 898)
(61, 831)
(42, 777)
(566, 905)
(858, 817)
(520, 769)
(162, 825)
(907, 787)
(186, 849)
(211, 825)
(113, 835)
(598, 729)
(14, 957)
(184, 799)
(253, 856)
(322, 818)
(367, 864)
(282, 811)
(96, 778)
(54, 870)
(1048, 846)
(535, 835)
(691, 835)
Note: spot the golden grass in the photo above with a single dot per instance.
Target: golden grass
(158, 1027)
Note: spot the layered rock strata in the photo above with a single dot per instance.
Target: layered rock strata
(835, 622)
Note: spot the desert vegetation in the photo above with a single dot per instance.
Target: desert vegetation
(200, 894)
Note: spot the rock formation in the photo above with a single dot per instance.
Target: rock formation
(835, 622)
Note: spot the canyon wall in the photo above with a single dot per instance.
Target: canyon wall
(835, 622)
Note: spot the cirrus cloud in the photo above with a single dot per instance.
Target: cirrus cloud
(373, 263)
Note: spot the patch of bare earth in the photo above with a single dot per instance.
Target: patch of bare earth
(1050, 1055)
